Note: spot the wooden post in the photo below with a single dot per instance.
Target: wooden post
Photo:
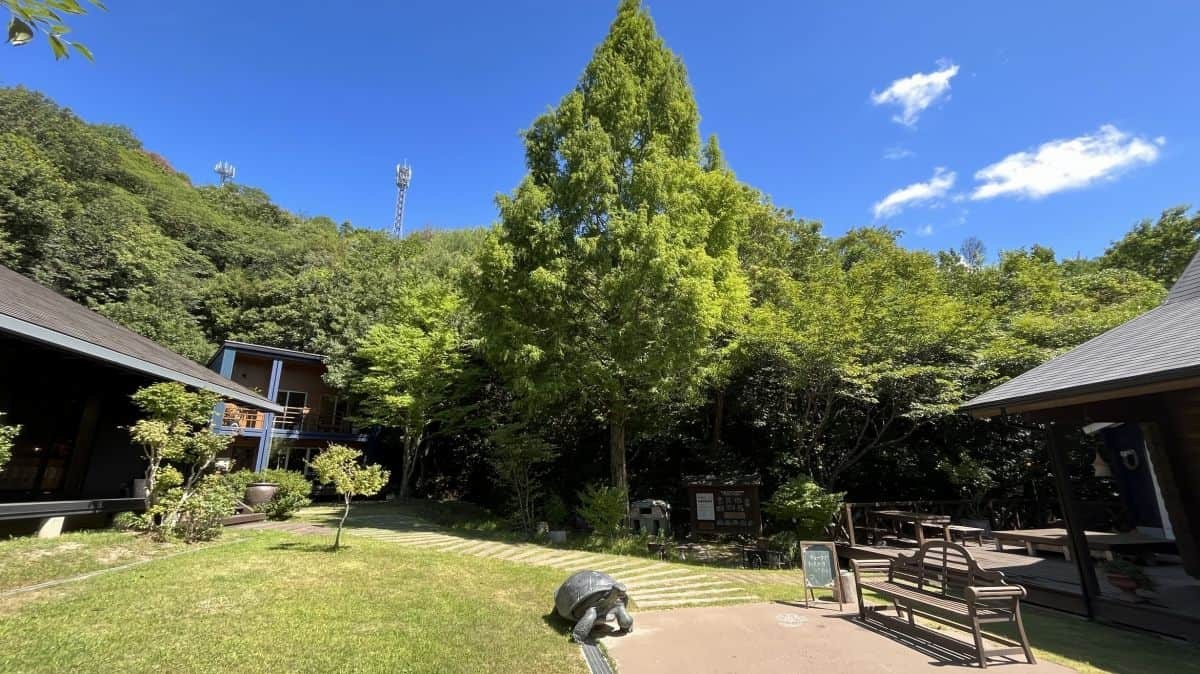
(1075, 528)
(850, 522)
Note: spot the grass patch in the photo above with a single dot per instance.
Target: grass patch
(27, 560)
(276, 602)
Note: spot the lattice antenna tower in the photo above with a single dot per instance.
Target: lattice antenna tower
(403, 178)
(225, 171)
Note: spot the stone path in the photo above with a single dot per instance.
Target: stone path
(651, 584)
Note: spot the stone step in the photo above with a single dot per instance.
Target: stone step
(665, 603)
(680, 594)
(632, 578)
(689, 586)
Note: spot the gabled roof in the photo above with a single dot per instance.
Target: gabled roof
(268, 351)
(1160, 346)
(34, 312)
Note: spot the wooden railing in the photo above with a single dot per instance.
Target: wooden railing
(854, 524)
(292, 418)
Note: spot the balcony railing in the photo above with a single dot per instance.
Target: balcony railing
(292, 419)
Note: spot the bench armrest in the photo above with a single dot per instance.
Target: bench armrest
(984, 592)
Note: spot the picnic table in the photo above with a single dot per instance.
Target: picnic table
(918, 521)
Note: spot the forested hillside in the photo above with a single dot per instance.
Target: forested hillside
(87, 210)
(842, 357)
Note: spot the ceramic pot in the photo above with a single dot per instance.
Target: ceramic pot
(258, 493)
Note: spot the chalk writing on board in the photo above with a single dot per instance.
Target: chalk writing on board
(819, 566)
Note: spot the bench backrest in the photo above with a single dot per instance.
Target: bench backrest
(943, 567)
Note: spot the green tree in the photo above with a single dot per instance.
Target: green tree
(615, 261)
(176, 431)
(857, 347)
(408, 364)
(29, 17)
(1159, 250)
(342, 467)
(517, 455)
(8, 434)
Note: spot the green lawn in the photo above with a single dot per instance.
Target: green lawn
(28, 560)
(276, 602)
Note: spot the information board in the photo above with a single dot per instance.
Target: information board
(820, 563)
(705, 507)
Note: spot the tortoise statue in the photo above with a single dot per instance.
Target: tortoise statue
(590, 596)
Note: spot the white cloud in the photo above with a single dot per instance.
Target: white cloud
(925, 230)
(1064, 164)
(916, 92)
(897, 152)
(916, 193)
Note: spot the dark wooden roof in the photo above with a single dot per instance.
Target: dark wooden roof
(33, 312)
(1160, 346)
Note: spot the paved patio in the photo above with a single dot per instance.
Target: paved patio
(765, 638)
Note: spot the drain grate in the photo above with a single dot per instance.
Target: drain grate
(595, 659)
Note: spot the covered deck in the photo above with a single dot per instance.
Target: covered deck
(1130, 398)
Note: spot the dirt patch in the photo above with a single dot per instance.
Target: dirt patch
(52, 551)
(13, 604)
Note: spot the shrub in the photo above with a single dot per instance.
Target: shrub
(293, 494)
(195, 514)
(555, 511)
(605, 509)
(804, 507)
(238, 480)
(131, 521)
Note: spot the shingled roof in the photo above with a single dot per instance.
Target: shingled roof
(1160, 346)
(34, 312)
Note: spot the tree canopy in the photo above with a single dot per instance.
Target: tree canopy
(636, 307)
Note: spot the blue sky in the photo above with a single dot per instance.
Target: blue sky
(317, 108)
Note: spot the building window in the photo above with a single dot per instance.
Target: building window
(295, 404)
(286, 457)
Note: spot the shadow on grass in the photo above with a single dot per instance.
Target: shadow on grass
(308, 547)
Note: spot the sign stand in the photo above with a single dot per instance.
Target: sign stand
(819, 561)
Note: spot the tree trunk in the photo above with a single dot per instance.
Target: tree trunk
(718, 419)
(408, 461)
(337, 538)
(616, 448)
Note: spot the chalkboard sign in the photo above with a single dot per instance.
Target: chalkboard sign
(820, 563)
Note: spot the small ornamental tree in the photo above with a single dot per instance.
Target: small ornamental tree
(176, 433)
(517, 456)
(7, 435)
(341, 466)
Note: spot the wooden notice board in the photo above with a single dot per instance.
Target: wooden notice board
(724, 505)
(819, 559)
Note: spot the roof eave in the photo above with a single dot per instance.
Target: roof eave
(1157, 382)
(47, 336)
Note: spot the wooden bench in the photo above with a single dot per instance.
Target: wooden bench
(942, 582)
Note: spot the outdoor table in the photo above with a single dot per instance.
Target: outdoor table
(918, 521)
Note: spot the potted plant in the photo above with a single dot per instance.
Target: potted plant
(556, 516)
(1127, 577)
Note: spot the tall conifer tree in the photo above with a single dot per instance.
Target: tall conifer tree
(614, 266)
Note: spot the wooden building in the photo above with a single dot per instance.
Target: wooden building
(66, 377)
(311, 413)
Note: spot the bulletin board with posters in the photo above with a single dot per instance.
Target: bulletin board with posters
(724, 504)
